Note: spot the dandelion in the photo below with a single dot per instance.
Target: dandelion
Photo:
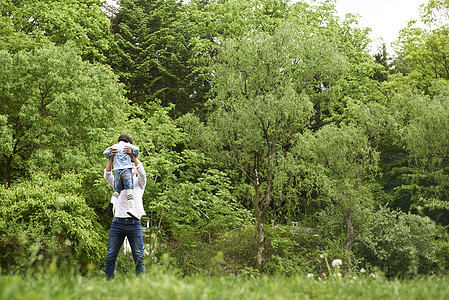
(336, 262)
(324, 255)
(372, 275)
(362, 270)
(310, 275)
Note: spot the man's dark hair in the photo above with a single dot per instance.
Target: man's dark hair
(126, 138)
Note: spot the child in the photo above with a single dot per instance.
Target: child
(123, 175)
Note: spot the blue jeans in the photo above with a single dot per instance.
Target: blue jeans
(121, 227)
(123, 180)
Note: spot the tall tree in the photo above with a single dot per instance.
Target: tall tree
(261, 82)
(341, 157)
(155, 59)
(425, 138)
(53, 108)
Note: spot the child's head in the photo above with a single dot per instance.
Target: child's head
(125, 138)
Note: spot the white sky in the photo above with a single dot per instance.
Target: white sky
(384, 17)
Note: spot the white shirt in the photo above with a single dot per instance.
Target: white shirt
(140, 182)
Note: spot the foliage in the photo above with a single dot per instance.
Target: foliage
(184, 196)
(13, 41)
(230, 253)
(57, 109)
(292, 250)
(419, 160)
(155, 58)
(53, 226)
(424, 48)
(400, 244)
(344, 162)
(81, 22)
(290, 117)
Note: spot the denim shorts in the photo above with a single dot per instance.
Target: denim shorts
(123, 180)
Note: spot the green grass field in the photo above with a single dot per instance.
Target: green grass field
(161, 286)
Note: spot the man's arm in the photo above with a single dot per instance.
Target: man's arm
(135, 150)
(132, 155)
(108, 169)
(140, 170)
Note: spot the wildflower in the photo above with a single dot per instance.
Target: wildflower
(362, 270)
(323, 255)
(372, 275)
(310, 275)
(336, 262)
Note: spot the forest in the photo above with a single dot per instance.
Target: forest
(274, 141)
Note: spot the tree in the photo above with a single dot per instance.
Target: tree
(425, 49)
(55, 110)
(80, 21)
(52, 225)
(261, 81)
(155, 60)
(425, 137)
(14, 41)
(382, 58)
(342, 159)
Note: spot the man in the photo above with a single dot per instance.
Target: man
(122, 224)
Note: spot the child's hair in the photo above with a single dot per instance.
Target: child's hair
(125, 138)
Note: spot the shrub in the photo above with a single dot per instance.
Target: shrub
(292, 250)
(228, 253)
(44, 222)
(400, 244)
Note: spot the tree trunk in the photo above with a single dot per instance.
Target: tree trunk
(260, 245)
(6, 169)
(349, 229)
(259, 220)
(260, 211)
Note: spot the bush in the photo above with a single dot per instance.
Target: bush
(228, 253)
(400, 244)
(45, 223)
(292, 250)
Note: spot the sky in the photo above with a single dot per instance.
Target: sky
(384, 17)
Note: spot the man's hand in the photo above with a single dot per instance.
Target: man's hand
(111, 159)
(113, 152)
(131, 153)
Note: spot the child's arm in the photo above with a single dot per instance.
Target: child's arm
(107, 152)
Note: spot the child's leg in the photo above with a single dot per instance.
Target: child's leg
(118, 187)
(128, 183)
(112, 205)
(131, 210)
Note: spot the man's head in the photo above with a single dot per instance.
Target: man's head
(125, 138)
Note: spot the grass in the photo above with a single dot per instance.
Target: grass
(163, 286)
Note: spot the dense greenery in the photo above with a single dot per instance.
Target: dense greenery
(269, 133)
